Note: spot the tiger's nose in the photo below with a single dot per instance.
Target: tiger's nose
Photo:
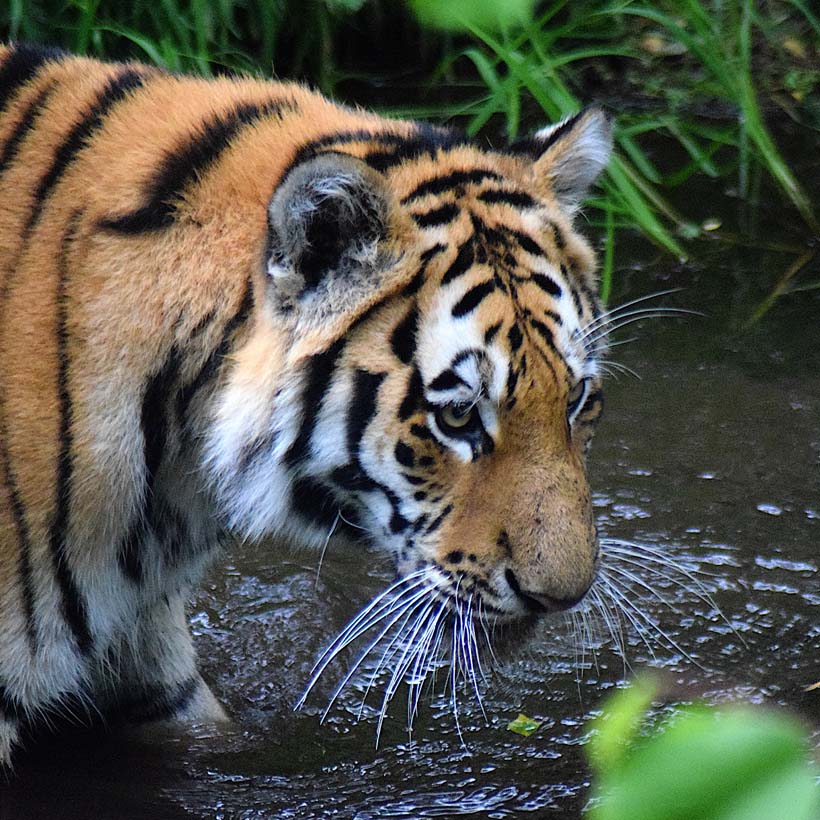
(540, 602)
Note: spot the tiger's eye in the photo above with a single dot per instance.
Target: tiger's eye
(456, 415)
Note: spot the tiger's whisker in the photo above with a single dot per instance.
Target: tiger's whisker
(618, 603)
(388, 653)
(652, 624)
(351, 634)
(607, 315)
(324, 548)
(375, 642)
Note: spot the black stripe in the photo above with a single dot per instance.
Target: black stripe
(517, 199)
(512, 380)
(23, 540)
(420, 521)
(405, 455)
(526, 242)
(473, 298)
(129, 553)
(576, 297)
(425, 139)
(558, 237)
(382, 160)
(551, 314)
(560, 131)
(74, 607)
(491, 331)
(362, 408)
(535, 146)
(447, 380)
(21, 64)
(413, 398)
(186, 163)
(317, 146)
(403, 338)
(438, 185)
(77, 138)
(437, 522)
(314, 502)
(467, 353)
(515, 337)
(545, 332)
(154, 424)
(212, 363)
(319, 372)
(438, 216)
(154, 420)
(422, 432)
(547, 284)
(411, 149)
(350, 477)
(417, 281)
(461, 264)
(23, 127)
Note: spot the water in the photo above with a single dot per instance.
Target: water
(713, 456)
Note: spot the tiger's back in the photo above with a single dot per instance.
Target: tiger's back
(136, 318)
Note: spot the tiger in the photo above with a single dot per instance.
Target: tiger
(231, 308)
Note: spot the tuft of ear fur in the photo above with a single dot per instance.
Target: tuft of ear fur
(328, 223)
(569, 156)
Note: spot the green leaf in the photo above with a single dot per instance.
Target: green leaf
(703, 763)
(615, 729)
(523, 725)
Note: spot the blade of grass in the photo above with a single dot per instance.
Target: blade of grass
(609, 254)
(780, 287)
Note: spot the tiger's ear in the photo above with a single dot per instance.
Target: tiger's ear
(569, 156)
(328, 225)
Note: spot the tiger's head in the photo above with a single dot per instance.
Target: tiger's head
(423, 369)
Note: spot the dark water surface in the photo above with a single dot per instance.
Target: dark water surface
(713, 456)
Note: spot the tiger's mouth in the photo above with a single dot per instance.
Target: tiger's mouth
(432, 622)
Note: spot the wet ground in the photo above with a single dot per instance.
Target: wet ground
(712, 456)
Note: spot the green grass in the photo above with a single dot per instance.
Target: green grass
(712, 76)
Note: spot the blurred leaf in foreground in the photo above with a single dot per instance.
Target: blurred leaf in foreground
(702, 763)
(463, 15)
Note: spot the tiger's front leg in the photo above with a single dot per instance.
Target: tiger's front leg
(157, 680)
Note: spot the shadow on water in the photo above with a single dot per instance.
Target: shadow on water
(713, 456)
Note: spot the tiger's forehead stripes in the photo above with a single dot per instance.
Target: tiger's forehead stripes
(511, 261)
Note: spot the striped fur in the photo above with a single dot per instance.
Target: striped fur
(231, 306)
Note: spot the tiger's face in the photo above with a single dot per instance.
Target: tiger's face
(448, 411)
